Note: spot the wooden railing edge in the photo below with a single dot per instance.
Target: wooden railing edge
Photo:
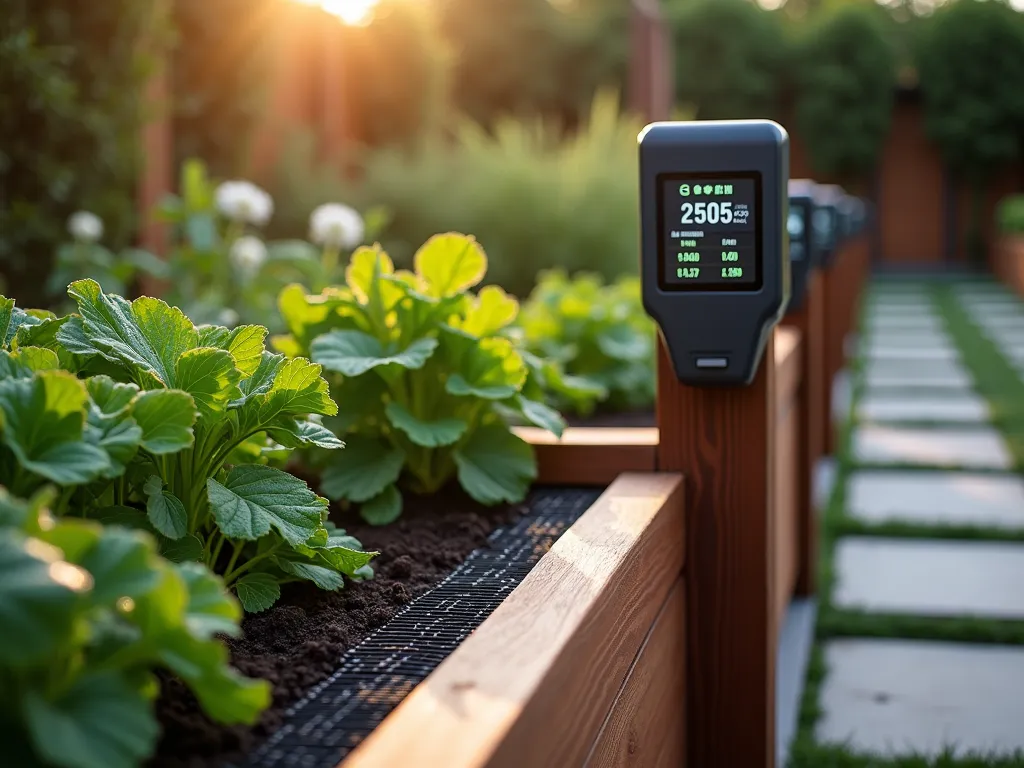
(568, 633)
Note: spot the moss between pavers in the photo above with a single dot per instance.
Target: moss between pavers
(1006, 398)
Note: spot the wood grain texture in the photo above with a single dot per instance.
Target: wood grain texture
(535, 682)
(787, 542)
(646, 727)
(591, 455)
(810, 321)
(722, 440)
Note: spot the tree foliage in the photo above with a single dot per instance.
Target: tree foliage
(845, 76)
(971, 65)
(71, 79)
(730, 57)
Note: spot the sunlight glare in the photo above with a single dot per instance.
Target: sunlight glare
(349, 11)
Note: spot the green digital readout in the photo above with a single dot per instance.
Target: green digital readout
(709, 232)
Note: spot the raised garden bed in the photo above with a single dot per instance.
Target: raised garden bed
(341, 662)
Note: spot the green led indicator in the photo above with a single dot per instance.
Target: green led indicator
(708, 189)
(719, 189)
(728, 189)
(697, 189)
(684, 190)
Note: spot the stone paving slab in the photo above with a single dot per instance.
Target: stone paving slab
(911, 380)
(893, 697)
(880, 327)
(882, 351)
(980, 448)
(936, 498)
(966, 409)
(921, 577)
(936, 369)
(904, 339)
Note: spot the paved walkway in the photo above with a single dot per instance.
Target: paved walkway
(927, 462)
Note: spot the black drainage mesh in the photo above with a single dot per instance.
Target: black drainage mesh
(374, 677)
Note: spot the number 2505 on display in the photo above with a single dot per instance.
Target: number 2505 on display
(707, 213)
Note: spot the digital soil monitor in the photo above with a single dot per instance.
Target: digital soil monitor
(827, 224)
(714, 260)
(803, 252)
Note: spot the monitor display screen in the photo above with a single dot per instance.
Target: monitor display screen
(710, 232)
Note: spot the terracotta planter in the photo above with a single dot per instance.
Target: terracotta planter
(1008, 261)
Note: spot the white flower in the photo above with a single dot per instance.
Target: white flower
(85, 227)
(228, 317)
(244, 201)
(248, 254)
(336, 226)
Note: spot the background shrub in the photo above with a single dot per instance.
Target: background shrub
(1011, 214)
(533, 198)
(845, 78)
(71, 79)
(971, 63)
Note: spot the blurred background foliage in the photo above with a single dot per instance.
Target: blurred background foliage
(477, 115)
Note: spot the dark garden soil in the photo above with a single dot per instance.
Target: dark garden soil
(614, 419)
(299, 641)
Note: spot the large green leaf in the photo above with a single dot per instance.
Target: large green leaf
(353, 353)
(43, 420)
(211, 609)
(245, 343)
(384, 508)
(297, 389)
(41, 334)
(121, 564)
(145, 336)
(325, 578)
(257, 591)
(492, 370)
(110, 397)
(210, 376)
(365, 468)
(166, 417)
(365, 275)
(430, 434)
(254, 499)
(225, 695)
(261, 380)
(491, 310)
(35, 358)
(6, 314)
(450, 263)
(620, 342)
(102, 721)
(165, 510)
(292, 433)
(542, 415)
(495, 466)
(38, 595)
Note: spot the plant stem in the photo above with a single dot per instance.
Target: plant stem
(237, 547)
(230, 576)
(329, 262)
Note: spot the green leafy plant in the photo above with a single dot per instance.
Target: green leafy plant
(155, 433)
(426, 380)
(1011, 214)
(88, 613)
(601, 336)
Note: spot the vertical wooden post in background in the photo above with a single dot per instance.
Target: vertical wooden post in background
(651, 71)
(812, 401)
(157, 170)
(722, 440)
(836, 278)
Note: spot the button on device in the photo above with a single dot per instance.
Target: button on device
(712, 362)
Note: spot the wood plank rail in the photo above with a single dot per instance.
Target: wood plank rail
(789, 372)
(565, 671)
(591, 455)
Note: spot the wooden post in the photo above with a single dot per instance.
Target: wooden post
(810, 321)
(721, 440)
(157, 171)
(835, 331)
(650, 86)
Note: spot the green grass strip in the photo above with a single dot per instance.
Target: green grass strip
(994, 376)
(1006, 398)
